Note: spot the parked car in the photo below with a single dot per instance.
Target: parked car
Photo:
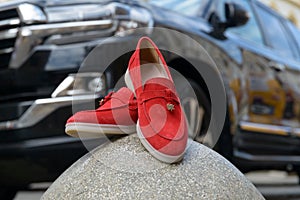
(44, 43)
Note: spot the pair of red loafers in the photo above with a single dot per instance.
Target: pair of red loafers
(149, 106)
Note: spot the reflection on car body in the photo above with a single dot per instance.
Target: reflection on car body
(256, 51)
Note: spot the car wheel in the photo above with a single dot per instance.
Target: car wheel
(7, 193)
(197, 110)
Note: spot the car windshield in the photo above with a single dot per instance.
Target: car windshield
(186, 7)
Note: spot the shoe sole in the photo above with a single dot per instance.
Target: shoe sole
(97, 130)
(155, 153)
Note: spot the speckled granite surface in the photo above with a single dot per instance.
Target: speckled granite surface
(125, 170)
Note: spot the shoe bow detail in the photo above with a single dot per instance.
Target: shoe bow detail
(167, 94)
(105, 99)
(131, 103)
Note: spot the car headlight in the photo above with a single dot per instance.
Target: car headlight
(88, 83)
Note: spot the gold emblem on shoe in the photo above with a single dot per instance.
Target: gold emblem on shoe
(170, 107)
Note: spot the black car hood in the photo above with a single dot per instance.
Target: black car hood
(45, 3)
(49, 3)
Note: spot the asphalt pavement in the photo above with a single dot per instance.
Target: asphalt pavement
(276, 185)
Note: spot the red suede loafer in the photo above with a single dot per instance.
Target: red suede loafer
(117, 114)
(161, 126)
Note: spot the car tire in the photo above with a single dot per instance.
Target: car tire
(7, 193)
(197, 109)
(224, 144)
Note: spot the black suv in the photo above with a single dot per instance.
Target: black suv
(44, 42)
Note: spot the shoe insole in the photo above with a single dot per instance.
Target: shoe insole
(151, 65)
(152, 70)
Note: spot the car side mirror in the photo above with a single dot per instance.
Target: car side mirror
(235, 15)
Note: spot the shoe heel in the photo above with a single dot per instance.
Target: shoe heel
(128, 82)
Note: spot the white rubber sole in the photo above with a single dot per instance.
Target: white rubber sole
(156, 154)
(87, 130)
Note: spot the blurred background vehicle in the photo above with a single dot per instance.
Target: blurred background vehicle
(44, 43)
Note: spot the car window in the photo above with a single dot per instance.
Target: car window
(249, 31)
(276, 35)
(296, 33)
(185, 7)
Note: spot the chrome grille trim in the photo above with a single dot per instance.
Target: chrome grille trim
(31, 35)
(9, 27)
(10, 22)
(7, 50)
(9, 34)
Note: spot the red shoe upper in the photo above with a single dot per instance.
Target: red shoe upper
(161, 118)
(164, 127)
(119, 108)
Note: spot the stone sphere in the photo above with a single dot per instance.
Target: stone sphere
(123, 169)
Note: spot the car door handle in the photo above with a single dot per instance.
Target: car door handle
(277, 66)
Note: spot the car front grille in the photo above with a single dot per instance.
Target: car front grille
(9, 25)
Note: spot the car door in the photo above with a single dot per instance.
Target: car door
(270, 73)
(243, 67)
(281, 64)
(268, 121)
(267, 57)
(293, 74)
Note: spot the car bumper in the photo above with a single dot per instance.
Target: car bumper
(260, 146)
